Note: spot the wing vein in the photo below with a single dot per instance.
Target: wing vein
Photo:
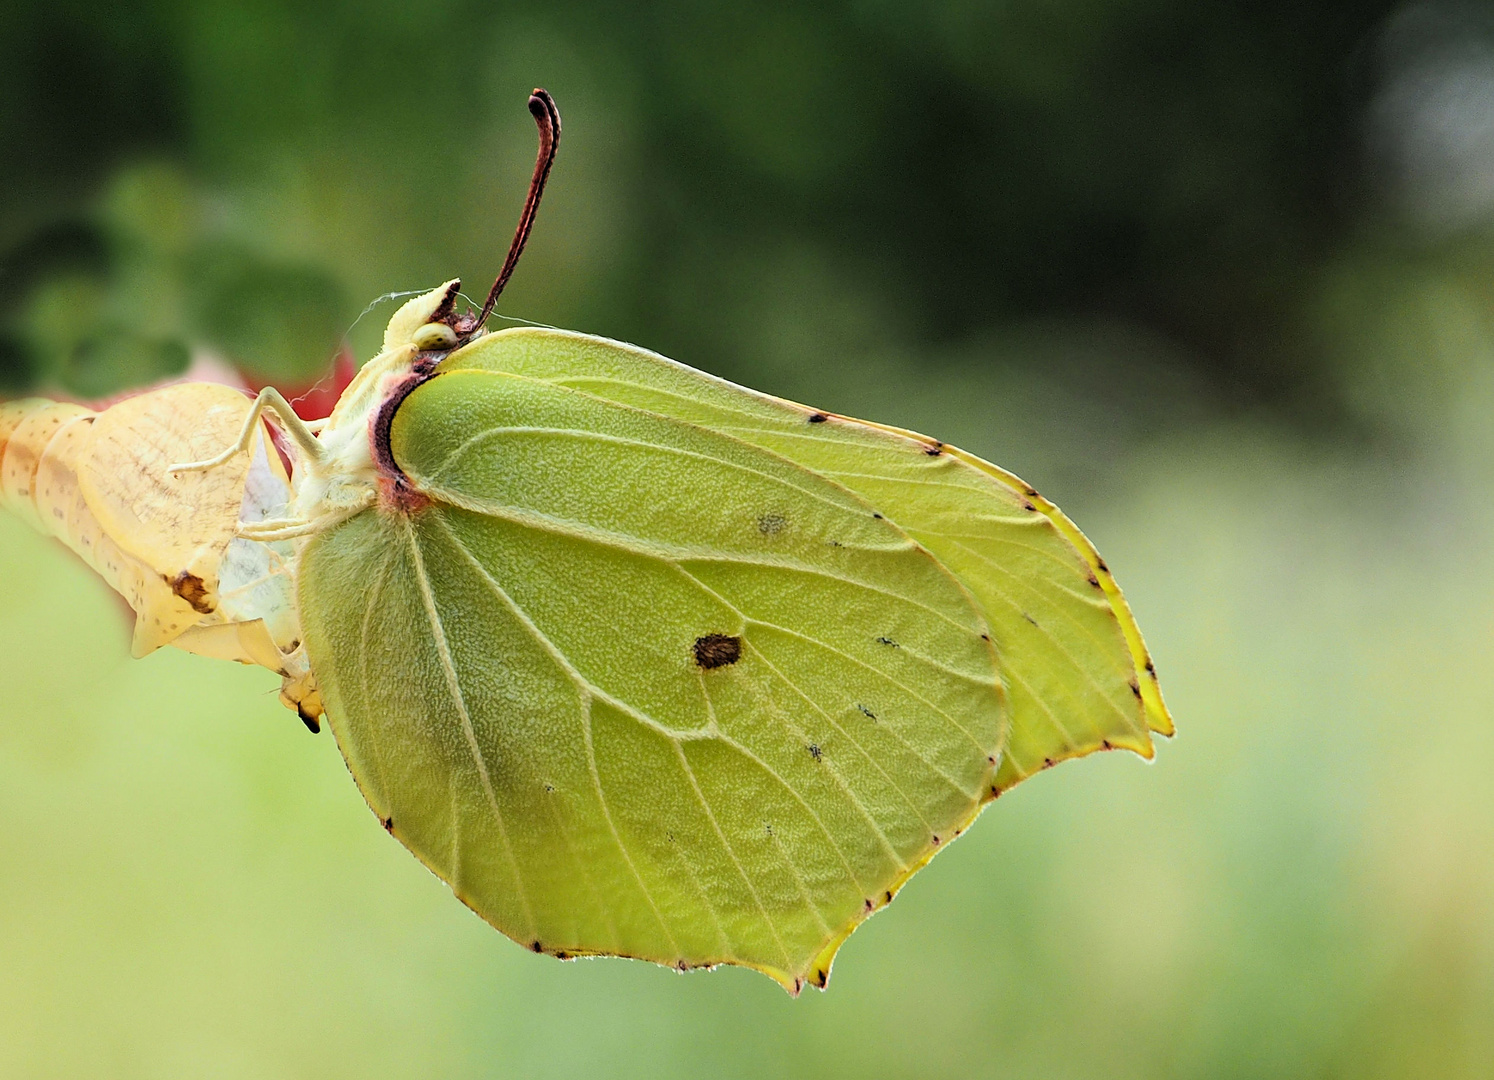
(585, 689)
(448, 667)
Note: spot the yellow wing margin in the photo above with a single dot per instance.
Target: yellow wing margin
(1158, 718)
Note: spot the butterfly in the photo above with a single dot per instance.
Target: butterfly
(640, 662)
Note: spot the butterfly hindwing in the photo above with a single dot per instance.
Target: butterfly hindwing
(636, 686)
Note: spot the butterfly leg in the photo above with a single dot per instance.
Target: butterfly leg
(269, 400)
(291, 528)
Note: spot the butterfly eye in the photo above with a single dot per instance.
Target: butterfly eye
(433, 336)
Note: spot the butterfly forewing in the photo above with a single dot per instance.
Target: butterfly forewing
(1075, 666)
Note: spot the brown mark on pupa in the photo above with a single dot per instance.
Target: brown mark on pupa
(717, 650)
(193, 590)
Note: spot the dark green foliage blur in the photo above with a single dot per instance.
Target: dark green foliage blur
(1184, 169)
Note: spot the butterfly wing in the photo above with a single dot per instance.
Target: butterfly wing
(633, 685)
(1072, 657)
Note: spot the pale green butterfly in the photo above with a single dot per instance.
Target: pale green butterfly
(640, 662)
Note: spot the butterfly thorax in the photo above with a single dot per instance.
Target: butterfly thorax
(353, 468)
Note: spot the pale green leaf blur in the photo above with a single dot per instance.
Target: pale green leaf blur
(1220, 286)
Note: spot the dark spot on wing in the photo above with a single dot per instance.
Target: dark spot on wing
(817, 418)
(388, 824)
(771, 524)
(768, 828)
(820, 978)
(562, 955)
(1101, 564)
(888, 894)
(1047, 763)
(815, 752)
(1028, 506)
(717, 650)
(866, 712)
(1031, 492)
(877, 516)
(549, 787)
(313, 724)
(1150, 669)
(1094, 580)
(682, 966)
(1106, 744)
(1029, 618)
(537, 947)
(935, 450)
(1135, 689)
(869, 904)
(936, 841)
(193, 590)
(888, 641)
(991, 760)
(985, 637)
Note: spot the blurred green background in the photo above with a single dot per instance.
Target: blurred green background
(1218, 280)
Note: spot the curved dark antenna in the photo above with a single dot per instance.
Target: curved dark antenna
(547, 119)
